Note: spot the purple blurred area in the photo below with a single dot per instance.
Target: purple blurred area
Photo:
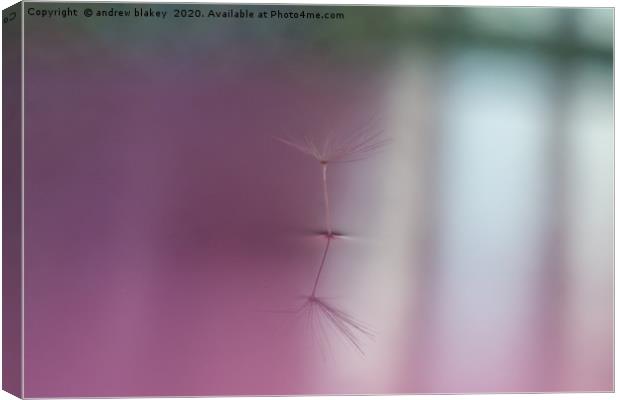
(165, 222)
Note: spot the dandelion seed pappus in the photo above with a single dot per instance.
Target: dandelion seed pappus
(350, 145)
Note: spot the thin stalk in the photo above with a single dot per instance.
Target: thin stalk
(328, 227)
(318, 274)
(328, 219)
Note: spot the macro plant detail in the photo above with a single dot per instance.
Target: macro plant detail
(351, 146)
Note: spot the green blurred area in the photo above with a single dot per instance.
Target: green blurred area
(556, 31)
(369, 30)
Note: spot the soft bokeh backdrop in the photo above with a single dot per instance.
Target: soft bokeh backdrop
(166, 228)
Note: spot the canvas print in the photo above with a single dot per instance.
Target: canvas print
(218, 200)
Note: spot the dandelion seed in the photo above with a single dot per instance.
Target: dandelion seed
(353, 146)
(350, 146)
(319, 316)
(319, 313)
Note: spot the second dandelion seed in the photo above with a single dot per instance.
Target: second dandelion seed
(355, 146)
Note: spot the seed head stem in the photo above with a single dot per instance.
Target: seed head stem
(328, 227)
(318, 274)
(328, 219)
